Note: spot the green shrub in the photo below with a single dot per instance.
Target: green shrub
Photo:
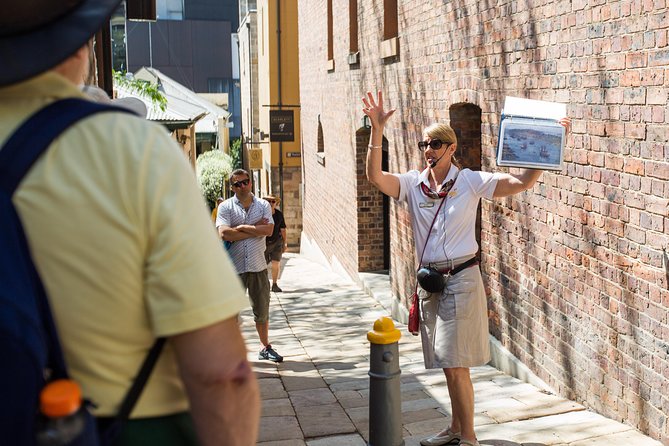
(212, 168)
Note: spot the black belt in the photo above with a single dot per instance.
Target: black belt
(453, 271)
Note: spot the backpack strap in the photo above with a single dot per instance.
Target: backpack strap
(112, 430)
(37, 133)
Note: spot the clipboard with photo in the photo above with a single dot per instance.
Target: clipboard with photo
(530, 135)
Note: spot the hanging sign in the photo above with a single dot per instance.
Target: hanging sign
(281, 125)
(255, 159)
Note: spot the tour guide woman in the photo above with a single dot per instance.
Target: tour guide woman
(454, 323)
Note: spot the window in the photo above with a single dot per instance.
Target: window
(353, 26)
(389, 19)
(217, 85)
(330, 37)
(320, 154)
(170, 9)
(321, 143)
(389, 46)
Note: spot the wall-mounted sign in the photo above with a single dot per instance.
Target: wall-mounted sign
(281, 125)
(255, 159)
(293, 154)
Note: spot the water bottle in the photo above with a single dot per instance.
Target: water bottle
(63, 414)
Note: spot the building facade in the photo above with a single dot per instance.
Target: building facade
(272, 114)
(192, 42)
(248, 74)
(575, 268)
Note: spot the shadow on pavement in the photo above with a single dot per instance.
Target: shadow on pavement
(307, 290)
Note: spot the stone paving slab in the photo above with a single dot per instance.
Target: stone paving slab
(319, 395)
(271, 388)
(303, 381)
(277, 407)
(553, 430)
(311, 397)
(283, 443)
(279, 428)
(339, 440)
(318, 421)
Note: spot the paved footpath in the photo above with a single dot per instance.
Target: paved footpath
(318, 395)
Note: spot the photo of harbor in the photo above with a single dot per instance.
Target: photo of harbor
(528, 143)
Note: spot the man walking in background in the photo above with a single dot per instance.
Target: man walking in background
(122, 245)
(245, 221)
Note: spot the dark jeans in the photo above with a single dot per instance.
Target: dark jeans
(170, 430)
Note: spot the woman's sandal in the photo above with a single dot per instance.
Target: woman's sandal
(439, 440)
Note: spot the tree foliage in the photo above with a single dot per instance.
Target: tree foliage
(212, 168)
(141, 87)
(236, 153)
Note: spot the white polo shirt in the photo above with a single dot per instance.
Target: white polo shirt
(453, 233)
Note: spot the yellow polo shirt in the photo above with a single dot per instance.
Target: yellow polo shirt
(120, 236)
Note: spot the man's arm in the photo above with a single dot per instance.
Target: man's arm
(242, 232)
(233, 234)
(222, 389)
(261, 228)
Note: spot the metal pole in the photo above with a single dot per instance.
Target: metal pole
(279, 87)
(385, 403)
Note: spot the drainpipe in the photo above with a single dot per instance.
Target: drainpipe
(278, 56)
(250, 138)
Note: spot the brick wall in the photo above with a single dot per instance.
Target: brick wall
(573, 267)
(371, 240)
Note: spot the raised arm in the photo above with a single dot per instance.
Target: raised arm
(387, 183)
(510, 184)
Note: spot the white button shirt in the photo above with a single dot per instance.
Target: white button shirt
(248, 255)
(453, 234)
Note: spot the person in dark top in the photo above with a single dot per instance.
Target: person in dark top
(277, 242)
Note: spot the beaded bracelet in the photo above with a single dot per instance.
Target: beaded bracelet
(370, 146)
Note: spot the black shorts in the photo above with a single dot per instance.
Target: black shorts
(273, 251)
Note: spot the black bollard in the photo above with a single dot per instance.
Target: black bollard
(385, 403)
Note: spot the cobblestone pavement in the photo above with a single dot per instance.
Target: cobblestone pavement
(319, 395)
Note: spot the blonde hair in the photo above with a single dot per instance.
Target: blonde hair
(446, 134)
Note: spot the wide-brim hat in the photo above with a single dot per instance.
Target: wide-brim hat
(276, 199)
(36, 35)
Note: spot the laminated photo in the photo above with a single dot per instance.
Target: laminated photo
(530, 135)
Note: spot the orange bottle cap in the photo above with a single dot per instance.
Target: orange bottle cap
(60, 398)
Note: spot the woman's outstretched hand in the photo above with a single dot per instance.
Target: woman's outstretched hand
(374, 109)
(566, 123)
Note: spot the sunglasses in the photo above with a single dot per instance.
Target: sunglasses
(434, 144)
(271, 201)
(241, 183)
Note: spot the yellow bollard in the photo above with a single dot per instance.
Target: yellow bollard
(385, 403)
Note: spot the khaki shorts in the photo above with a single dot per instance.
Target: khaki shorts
(454, 323)
(258, 286)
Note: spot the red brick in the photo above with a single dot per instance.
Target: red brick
(564, 247)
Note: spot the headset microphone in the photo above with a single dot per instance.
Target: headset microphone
(434, 163)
